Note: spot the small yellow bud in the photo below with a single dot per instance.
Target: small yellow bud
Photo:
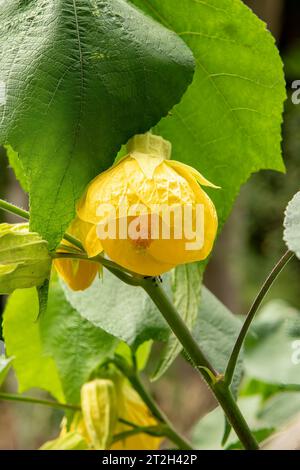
(99, 411)
(80, 274)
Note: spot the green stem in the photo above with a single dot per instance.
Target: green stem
(108, 264)
(226, 400)
(7, 207)
(38, 401)
(169, 430)
(251, 314)
(155, 431)
(220, 390)
(179, 328)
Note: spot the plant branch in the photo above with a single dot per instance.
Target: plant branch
(7, 207)
(251, 314)
(114, 268)
(38, 401)
(153, 288)
(191, 347)
(169, 430)
(156, 431)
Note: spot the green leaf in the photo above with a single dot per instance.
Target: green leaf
(17, 166)
(260, 436)
(228, 124)
(263, 419)
(124, 311)
(280, 409)
(59, 351)
(76, 345)
(139, 357)
(216, 329)
(292, 225)
(23, 342)
(81, 78)
(272, 353)
(5, 365)
(208, 432)
(186, 289)
(266, 390)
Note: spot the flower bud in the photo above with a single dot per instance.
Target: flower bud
(25, 260)
(79, 274)
(99, 411)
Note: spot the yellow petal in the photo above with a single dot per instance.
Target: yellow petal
(80, 274)
(187, 171)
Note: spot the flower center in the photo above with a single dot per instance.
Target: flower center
(139, 231)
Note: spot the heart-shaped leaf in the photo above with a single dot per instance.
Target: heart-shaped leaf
(79, 78)
(228, 124)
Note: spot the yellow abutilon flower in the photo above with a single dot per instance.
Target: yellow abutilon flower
(79, 274)
(156, 199)
(106, 404)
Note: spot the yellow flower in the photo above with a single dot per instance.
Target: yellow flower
(155, 199)
(104, 403)
(79, 274)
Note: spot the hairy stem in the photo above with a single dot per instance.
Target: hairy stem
(169, 430)
(251, 314)
(214, 380)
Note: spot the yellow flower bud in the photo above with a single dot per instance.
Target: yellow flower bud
(106, 405)
(24, 258)
(99, 411)
(79, 274)
(160, 214)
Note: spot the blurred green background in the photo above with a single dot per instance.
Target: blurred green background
(249, 246)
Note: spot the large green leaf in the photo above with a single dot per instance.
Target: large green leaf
(123, 311)
(81, 77)
(228, 124)
(292, 225)
(59, 351)
(186, 289)
(272, 352)
(23, 342)
(76, 345)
